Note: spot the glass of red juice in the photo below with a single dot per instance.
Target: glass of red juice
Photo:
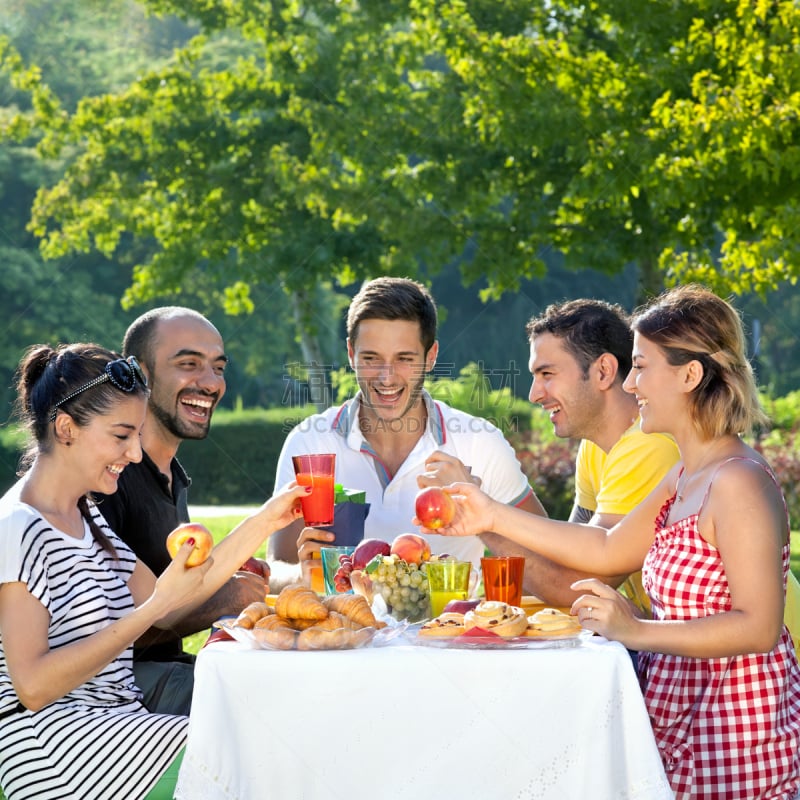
(317, 472)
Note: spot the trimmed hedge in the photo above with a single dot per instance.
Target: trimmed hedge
(11, 443)
(236, 464)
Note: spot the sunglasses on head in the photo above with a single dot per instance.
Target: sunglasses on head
(122, 373)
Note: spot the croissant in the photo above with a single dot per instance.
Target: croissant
(250, 614)
(276, 632)
(354, 607)
(334, 621)
(299, 602)
(340, 639)
(302, 624)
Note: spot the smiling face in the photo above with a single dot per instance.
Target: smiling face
(108, 443)
(561, 388)
(390, 365)
(187, 376)
(658, 386)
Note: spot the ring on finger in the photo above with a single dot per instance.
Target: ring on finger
(589, 609)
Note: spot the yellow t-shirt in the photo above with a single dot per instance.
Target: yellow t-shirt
(617, 481)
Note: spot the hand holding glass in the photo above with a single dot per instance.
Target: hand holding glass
(316, 471)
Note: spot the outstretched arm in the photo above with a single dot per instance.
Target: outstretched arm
(580, 547)
(549, 581)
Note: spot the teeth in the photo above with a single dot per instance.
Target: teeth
(387, 392)
(198, 403)
(116, 470)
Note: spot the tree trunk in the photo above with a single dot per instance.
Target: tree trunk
(317, 372)
(651, 281)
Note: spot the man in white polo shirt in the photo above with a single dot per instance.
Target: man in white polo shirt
(392, 431)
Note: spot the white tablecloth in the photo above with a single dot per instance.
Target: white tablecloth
(418, 722)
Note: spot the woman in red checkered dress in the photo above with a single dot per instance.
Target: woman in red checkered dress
(718, 668)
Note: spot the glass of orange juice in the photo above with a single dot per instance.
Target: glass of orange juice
(312, 574)
(316, 471)
(502, 578)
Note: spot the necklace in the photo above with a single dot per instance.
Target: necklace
(678, 492)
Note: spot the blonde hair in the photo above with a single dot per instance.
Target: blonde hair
(690, 323)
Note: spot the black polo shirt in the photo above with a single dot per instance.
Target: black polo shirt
(142, 512)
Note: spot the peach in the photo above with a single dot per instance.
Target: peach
(203, 542)
(413, 549)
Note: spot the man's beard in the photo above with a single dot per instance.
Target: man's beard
(380, 421)
(172, 423)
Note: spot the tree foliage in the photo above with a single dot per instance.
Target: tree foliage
(358, 137)
(293, 143)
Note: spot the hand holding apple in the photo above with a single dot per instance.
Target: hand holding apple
(203, 542)
(434, 508)
(473, 512)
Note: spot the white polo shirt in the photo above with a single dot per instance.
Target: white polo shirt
(474, 441)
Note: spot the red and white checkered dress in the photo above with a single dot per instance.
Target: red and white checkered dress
(726, 728)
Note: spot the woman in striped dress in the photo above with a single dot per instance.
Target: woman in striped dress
(73, 596)
(718, 668)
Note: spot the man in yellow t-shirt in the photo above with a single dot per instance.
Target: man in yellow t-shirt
(610, 484)
(580, 354)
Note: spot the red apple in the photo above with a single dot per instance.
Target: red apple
(366, 550)
(434, 507)
(203, 542)
(461, 606)
(413, 549)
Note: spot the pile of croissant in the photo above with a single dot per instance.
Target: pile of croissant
(301, 620)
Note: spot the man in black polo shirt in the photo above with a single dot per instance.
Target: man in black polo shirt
(183, 357)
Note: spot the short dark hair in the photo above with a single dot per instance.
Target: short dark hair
(588, 329)
(394, 299)
(140, 336)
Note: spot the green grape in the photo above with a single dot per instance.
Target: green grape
(404, 588)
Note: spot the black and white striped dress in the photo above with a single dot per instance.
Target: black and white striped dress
(98, 742)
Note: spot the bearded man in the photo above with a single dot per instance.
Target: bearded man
(183, 358)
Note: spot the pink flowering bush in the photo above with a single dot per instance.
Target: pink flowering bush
(780, 449)
(549, 464)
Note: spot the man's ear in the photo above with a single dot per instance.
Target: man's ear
(350, 352)
(430, 356)
(607, 368)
